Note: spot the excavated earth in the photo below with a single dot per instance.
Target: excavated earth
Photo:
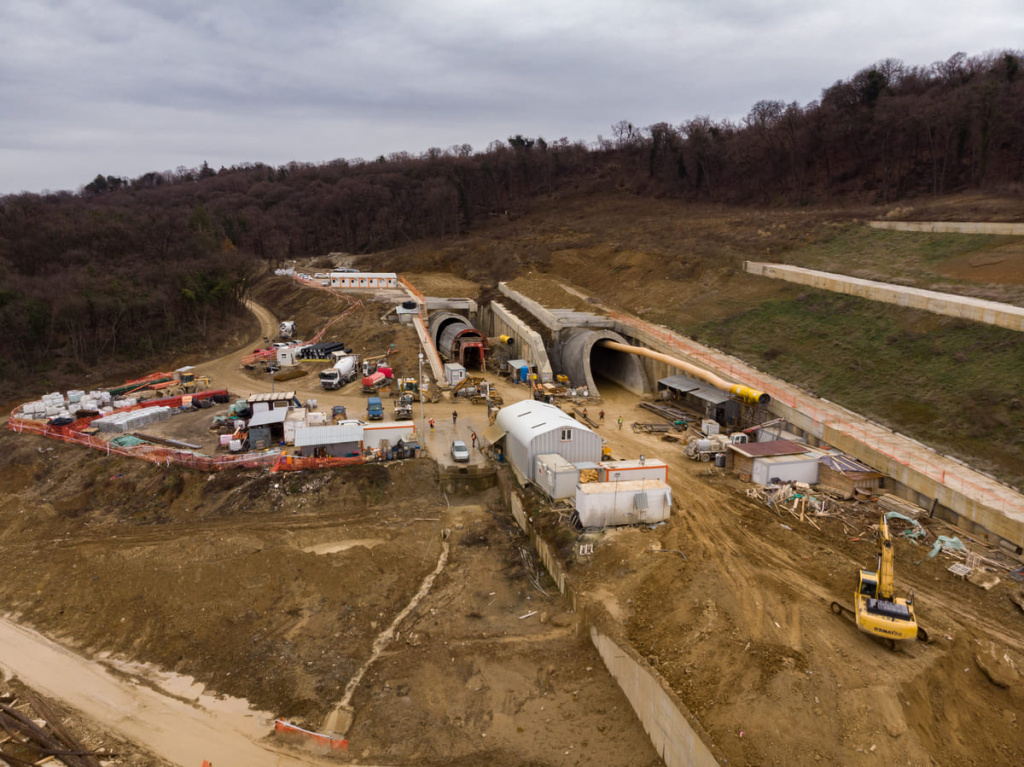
(274, 587)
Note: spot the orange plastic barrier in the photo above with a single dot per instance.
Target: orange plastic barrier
(301, 463)
(326, 742)
(73, 433)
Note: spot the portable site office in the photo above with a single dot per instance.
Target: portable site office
(364, 280)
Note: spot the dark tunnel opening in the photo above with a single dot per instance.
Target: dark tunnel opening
(609, 367)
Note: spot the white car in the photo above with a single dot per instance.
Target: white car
(460, 452)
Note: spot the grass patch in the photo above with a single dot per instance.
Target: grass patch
(954, 384)
(861, 251)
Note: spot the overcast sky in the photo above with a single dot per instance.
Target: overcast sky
(124, 87)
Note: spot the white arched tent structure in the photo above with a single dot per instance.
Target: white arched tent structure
(535, 428)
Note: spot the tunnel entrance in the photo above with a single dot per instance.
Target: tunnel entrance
(589, 364)
(608, 367)
(472, 354)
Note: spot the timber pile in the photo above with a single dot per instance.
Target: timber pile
(892, 503)
(794, 498)
(860, 520)
(34, 735)
(669, 413)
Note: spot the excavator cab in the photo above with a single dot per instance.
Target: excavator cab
(868, 584)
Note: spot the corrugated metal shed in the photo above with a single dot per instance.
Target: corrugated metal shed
(532, 428)
(699, 389)
(317, 436)
(265, 417)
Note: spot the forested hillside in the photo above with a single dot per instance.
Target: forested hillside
(124, 267)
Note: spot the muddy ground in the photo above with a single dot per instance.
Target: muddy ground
(273, 588)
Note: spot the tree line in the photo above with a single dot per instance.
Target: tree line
(127, 266)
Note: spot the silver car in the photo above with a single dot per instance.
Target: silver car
(460, 452)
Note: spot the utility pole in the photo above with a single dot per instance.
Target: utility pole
(419, 388)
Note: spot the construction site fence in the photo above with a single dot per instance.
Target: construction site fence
(302, 463)
(308, 737)
(74, 434)
(875, 437)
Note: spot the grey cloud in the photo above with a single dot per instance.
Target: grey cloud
(128, 86)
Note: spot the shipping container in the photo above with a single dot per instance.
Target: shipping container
(556, 476)
(607, 504)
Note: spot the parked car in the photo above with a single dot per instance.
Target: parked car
(460, 452)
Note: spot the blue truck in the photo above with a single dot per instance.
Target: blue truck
(374, 409)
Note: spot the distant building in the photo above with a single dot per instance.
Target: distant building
(364, 280)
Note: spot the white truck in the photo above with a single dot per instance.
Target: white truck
(707, 447)
(345, 369)
(286, 329)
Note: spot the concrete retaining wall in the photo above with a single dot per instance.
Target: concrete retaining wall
(975, 309)
(673, 731)
(657, 708)
(952, 227)
(529, 344)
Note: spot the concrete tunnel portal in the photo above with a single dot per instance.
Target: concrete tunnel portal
(594, 355)
(587, 362)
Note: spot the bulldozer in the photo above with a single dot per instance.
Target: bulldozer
(877, 610)
(185, 382)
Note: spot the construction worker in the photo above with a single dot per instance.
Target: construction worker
(472, 438)
(584, 412)
(455, 416)
(600, 416)
(620, 422)
(431, 422)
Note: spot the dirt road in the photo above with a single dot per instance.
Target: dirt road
(184, 726)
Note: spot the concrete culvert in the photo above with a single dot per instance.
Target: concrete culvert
(587, 362)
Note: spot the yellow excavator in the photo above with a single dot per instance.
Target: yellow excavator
(877, 610)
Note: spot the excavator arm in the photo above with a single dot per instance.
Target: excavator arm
(885, 561)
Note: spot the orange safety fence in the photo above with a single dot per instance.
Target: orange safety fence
(262, 354)
(301, 463)
(74, 434)
(271, 354)
(326, 742)
(877, 438)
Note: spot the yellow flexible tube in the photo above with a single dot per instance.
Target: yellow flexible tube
(741, 392)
